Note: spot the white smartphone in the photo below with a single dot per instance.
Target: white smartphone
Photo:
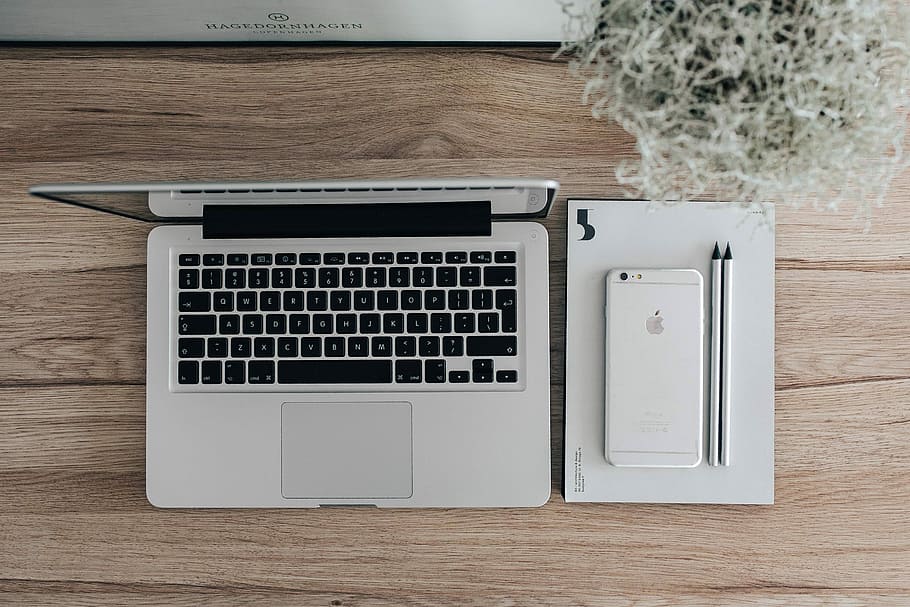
(654, 367)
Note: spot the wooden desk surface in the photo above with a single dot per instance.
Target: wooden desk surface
(74, 523)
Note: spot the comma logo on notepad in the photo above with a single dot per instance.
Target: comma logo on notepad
(583, 222)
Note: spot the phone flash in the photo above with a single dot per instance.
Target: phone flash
(638, 276)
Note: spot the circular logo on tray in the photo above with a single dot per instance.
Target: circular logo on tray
(278, 17)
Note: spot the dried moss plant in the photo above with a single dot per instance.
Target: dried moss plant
(754, 101)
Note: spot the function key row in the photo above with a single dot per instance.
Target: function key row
(348, 277)
(315, 259)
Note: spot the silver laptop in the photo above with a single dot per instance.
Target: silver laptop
(374, 343)
(518, 21)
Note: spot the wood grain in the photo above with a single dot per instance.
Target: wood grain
(75, 527)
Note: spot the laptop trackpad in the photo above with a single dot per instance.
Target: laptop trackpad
(346, 450)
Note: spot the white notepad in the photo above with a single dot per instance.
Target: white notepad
(633, 234)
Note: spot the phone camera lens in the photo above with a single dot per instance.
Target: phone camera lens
(624, 276)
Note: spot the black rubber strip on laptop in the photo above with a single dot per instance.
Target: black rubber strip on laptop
(344, 220)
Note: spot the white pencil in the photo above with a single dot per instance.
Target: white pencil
(726, 365)
(714, 400)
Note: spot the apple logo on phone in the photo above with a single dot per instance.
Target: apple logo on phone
(655, 324)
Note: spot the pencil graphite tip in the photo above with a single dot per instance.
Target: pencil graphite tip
(716, 254)
(728, 254)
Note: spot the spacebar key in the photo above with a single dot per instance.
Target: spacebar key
(334, 371)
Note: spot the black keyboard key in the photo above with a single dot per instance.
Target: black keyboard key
(405, 346)
(340, 300)
(333, 259)
(235, 279)
(507, 377)
(398, 277)
(261, 372)
(411, 300)
(196, 324)
(434, 300)
(317, 301)
(470, 276)
(482, 299)
(418, 322)
(270, 301)
(223, 301)
(310, 259)
(375, 277)
(287, 347)
(218, 347)
(364, 300)
(252, 324)
(358, 346)
(458, 299)
(293, 301)
(387, 300)
(504, 256)
(393, 322)
(310, 347)
(488, 322)
(211, 372)
(456, 257)
(489, 345)
(285, 259)
(446, 277)
(441, 322)
(334, 346)
(305, 278)
(237, 259)
(241, 347)
(435, 371)
(234, 372)
(496, 276)
(453, 346)
(211, 279)
(194, 302)
(264, 347)
(481, 257)
(323, 324)
(328, 278)
(431, 257)
(229, 324)
(188, 372)
(407, 257)
(258, 278)
(276, 324)
(369, 323)
(346, 324)
(299, 324)
(408, 372)
(261, 259)
(246, 301)
(358, 258)
(482, 365)
(505, 303)
(188, 259)
(281, 278)
(428, 346)
(214, 259)
(352, 278)
(334, 371)
(423, 277)
(381, 346)
(188, 279)
(383, 258)
(483, 378)
(459, 377)
(464, 322)
(191, 347)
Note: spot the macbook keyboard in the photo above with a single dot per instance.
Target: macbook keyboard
(431, 319)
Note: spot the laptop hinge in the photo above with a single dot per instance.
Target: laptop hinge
(346, 220)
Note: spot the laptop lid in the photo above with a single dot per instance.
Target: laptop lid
(516, 21)
(305, 208)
